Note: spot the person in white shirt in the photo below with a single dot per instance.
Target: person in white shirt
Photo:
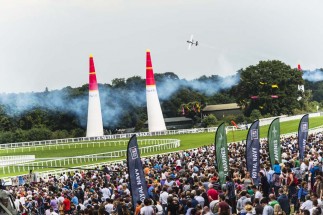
(163, 199)
(315, 205)
(147, 209)
(199, 198)
(303, 167)
(109, 207)
(105, 192)
(308, 204)
(178, 164)
(52, 212)
(159, 208)
(258, 194)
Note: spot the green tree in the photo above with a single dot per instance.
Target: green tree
(210, 120)
(118, 83)
(255, 114)
(270, 86)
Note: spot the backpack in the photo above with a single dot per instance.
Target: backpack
(298, 174)
(275, 180)
(215, 208)
(295, 180)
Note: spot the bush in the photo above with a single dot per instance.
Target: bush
(255, 114)
(210, 120)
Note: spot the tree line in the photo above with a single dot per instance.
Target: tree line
(269, 88)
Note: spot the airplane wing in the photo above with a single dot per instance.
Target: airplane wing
(189, 46)
(190, 42)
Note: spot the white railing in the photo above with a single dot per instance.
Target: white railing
(159, 145)
(75, 145)
(92, 166)
(32, 144)
(15, 159)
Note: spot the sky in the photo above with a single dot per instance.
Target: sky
(46, 43)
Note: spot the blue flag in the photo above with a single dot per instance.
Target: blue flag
(252, 152)
(138, 186)
(302, 135)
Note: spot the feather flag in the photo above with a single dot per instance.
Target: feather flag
(183, 110)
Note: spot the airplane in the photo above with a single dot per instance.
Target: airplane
(192, 42)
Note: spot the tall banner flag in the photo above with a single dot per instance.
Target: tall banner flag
(252, 152)
(302, 135)
(138, 186)
(221, 151)
(274, 142)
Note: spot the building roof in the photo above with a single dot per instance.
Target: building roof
(230, 106)
(175, 119)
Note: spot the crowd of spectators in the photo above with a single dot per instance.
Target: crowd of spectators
(187, 182)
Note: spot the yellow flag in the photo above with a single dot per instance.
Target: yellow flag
(274, 86)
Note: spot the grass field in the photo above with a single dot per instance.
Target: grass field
(188, 141)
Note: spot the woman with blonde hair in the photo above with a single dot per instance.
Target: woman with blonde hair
(248, 209)
(278, 210)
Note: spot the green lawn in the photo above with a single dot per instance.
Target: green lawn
(188, 141)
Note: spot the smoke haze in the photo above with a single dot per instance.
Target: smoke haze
(115, 102)
(313, 76)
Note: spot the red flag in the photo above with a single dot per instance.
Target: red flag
(183, 111)
(299, 67)
(234, 124)
(194, 108)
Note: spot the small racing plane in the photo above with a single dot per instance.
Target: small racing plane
(192, 42)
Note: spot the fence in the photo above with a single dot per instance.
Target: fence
(162, 144)
(33, 144)
(93, 144)
(9, 160)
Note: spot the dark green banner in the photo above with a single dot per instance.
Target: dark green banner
(221, 152)
(274, 142)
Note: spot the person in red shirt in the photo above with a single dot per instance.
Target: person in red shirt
(212, 193)
(67, 205)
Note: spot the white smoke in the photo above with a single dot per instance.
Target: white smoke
(114, 102)
(313, 76)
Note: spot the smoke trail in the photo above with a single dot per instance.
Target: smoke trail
(115, 102)
(313, 76)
